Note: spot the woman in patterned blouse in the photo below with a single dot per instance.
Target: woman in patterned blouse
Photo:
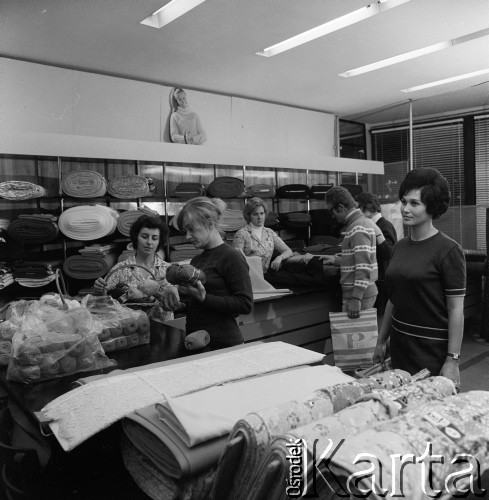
(255, 239)
(148, 235)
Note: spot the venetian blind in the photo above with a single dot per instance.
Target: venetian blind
(482, 176)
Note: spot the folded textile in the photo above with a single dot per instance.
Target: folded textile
(89, 267)
(295, 191)
(262, 190)
(165, 449)
(212, 412)
(97, 249)
(455, 426)
(129, 186)
(157, 485)
(252, 434)
(232, 220)
(189, 190)
(85, 410)
(84, 184)
(35, 282)
(33, 229)
(226, 187)
(126, 219)
(35, 269)
(6, 280)
(88, 222)
(21, 190)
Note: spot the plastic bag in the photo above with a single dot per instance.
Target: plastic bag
(119, 327)
(50, 343)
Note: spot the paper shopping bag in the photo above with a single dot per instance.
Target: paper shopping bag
(353, 340)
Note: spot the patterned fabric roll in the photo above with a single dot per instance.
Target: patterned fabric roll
(127, 219)
(33, 228)
(129, 186)
(88, 222)
(84, 184)
(448, 428)
(226, 187)
(88, 267)
(21, 190)
(180, 274)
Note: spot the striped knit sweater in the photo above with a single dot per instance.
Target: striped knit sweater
(358, 261)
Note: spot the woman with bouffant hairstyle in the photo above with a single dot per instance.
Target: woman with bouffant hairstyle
(255, 239)
(227, 292)
(424, 316)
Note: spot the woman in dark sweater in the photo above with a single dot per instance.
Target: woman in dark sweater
(424, 316)
(227, 292)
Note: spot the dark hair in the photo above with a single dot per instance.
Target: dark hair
(251, 204)
(435, 191)
(147, 221)
(338, 195)
(368, 201)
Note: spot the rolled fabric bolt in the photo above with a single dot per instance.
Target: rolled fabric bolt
(181, 274)
(196, 340)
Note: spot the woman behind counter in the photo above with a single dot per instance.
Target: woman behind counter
(255, 239)
(148, 235)
(424, 316)
(227, 291)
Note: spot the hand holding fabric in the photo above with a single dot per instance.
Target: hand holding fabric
(450, 369)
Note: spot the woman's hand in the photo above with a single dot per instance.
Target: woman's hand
(196, 291)
(188, 137)
(353, 308)
(99, 285)
(450, 369)
(276, 264)
(169, 298)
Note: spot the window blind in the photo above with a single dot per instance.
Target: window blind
(482, 176)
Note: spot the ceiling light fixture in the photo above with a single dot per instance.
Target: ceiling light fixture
(170, 12)
(333, 25)
(415, 53)
(446, 80)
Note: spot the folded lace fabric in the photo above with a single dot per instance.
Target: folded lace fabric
(21, 190)
(129, 186)
(84, 184)
(33, 229)
(88, 267)
(88, 222)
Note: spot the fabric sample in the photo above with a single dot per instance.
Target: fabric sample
(84, 184)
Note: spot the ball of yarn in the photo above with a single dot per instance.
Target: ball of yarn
(196, 340)
(181, 274)
(28, 355)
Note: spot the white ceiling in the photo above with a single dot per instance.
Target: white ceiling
(212, 48)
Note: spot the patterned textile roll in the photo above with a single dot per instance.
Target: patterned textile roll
(455, 426)
(5, 352)
(33, 228)
(88, 222)
(180, 274)
(226, 187)
(127, 219)
(21, 190)
(84, 184)
(129, 186)
(88, 267)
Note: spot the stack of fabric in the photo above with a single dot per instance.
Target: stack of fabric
(36, 274)
(127, 219)
(129, 186)
(184, 437)
(84, 184)
(88, 222)
(94, 262)
(36, 229)
(232, 220)
(180, 250)
(21, 190)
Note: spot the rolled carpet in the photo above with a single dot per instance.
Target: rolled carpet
(21, 190)
(33, 228)
(127, 219)
(84, 184)
(89, 266)
(129, 186)
(88, 222)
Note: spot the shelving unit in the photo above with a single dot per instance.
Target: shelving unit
(49, 172)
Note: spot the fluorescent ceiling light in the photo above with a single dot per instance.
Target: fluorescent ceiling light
(170, 12)
(415, 53)
(447, 80)
(334, 25)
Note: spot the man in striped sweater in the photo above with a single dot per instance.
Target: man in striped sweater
(357, 261)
